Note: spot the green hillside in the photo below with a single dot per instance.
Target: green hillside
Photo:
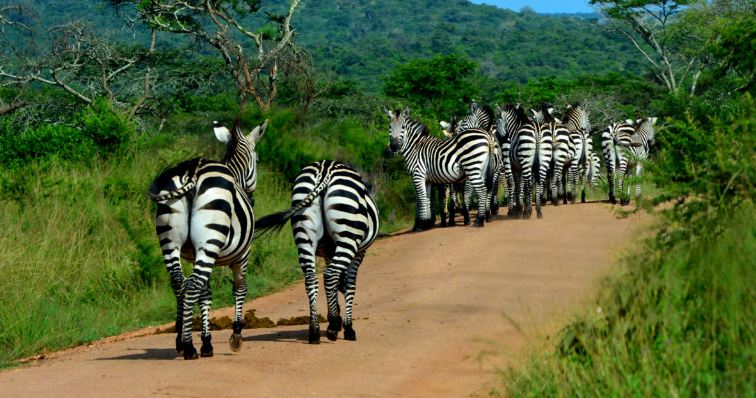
(364, 40)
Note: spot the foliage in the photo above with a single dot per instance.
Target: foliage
(441, 85)
(678, 322)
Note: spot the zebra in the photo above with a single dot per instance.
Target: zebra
(577, 122)
(430, 160)
(204, 215)
(510, 119)
(333, 216)
(530, 151)
(563, 152)
(626, 144)
(481, 118)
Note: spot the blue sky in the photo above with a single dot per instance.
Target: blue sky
(542, 6)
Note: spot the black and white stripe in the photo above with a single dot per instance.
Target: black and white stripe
(333, 216)
(563, 153)
(204, 215)
(430, 160)
(626, 145)
(576, 121)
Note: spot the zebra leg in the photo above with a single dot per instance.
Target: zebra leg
(429, 188)
(442, 197)
(624, 200)
(332, 277)
(423, 218)
(611, 182)
(205, 302)
(240, 293)
(307, 229)
(449, 204)
(350, 289)
(638, 171)
(194, 285)
(173, 265)
(556, 182)
(510, 194)
(527, 194)
(467, 200)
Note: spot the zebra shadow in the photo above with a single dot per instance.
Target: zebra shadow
(298, 336)
(146, 354)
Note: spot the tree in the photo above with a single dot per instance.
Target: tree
(222, 24)
(441, 84)
(77, 61)
(647, 24)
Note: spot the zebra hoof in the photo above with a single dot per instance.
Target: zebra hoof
(539, 215)
(179, 346)
(190, 352)
(314, 336)
(206, 350)
(334, 327)
(480, 221)
(235, 342)
(349, 333)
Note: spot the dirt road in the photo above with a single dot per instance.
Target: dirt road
(436, 313)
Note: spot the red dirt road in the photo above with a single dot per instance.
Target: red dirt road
(436, 313)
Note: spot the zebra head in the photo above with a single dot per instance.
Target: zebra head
(240, 156)
(576, 119)
(511, 118)
(645, 128)
(399, 125)
(480, 117)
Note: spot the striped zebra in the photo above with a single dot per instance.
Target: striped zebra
(430, 160)
(576, 121)
(510, 119)
(481, 118)
(204, 215)
(563, 162)
(333, 216)
(530, 152)
(626, 144)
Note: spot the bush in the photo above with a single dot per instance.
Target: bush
(110, 129)
(59, 140)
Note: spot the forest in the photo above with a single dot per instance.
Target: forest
(97, 97)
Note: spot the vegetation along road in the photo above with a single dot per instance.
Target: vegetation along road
(436, 314)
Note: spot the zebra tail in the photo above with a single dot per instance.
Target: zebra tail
(274, 222)
(181, 191)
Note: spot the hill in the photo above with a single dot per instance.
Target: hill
(363, 40)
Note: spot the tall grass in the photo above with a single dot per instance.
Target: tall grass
(81, 260)
(679, 321)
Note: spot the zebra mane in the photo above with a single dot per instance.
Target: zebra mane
(417, 127)
(237, 137)
(547, 116)
(519, 112)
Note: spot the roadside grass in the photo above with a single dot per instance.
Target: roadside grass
(82, 262)
(677, 322)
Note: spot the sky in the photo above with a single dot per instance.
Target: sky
(542, 6)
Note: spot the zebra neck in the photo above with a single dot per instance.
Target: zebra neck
(238, 163)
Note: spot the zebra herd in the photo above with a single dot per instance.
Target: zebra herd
(539, 158)
(205, 208)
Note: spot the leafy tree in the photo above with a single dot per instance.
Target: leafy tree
(647, 24)
(442, 84)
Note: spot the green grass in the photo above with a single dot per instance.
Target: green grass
(81, 260)
(679, 322)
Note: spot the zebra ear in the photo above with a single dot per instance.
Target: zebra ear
(498, 109)
(258, 132)
(405, 112)
(221, 133)
(630, 122)
(653, 120)
(388, 112)
(473, 106)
